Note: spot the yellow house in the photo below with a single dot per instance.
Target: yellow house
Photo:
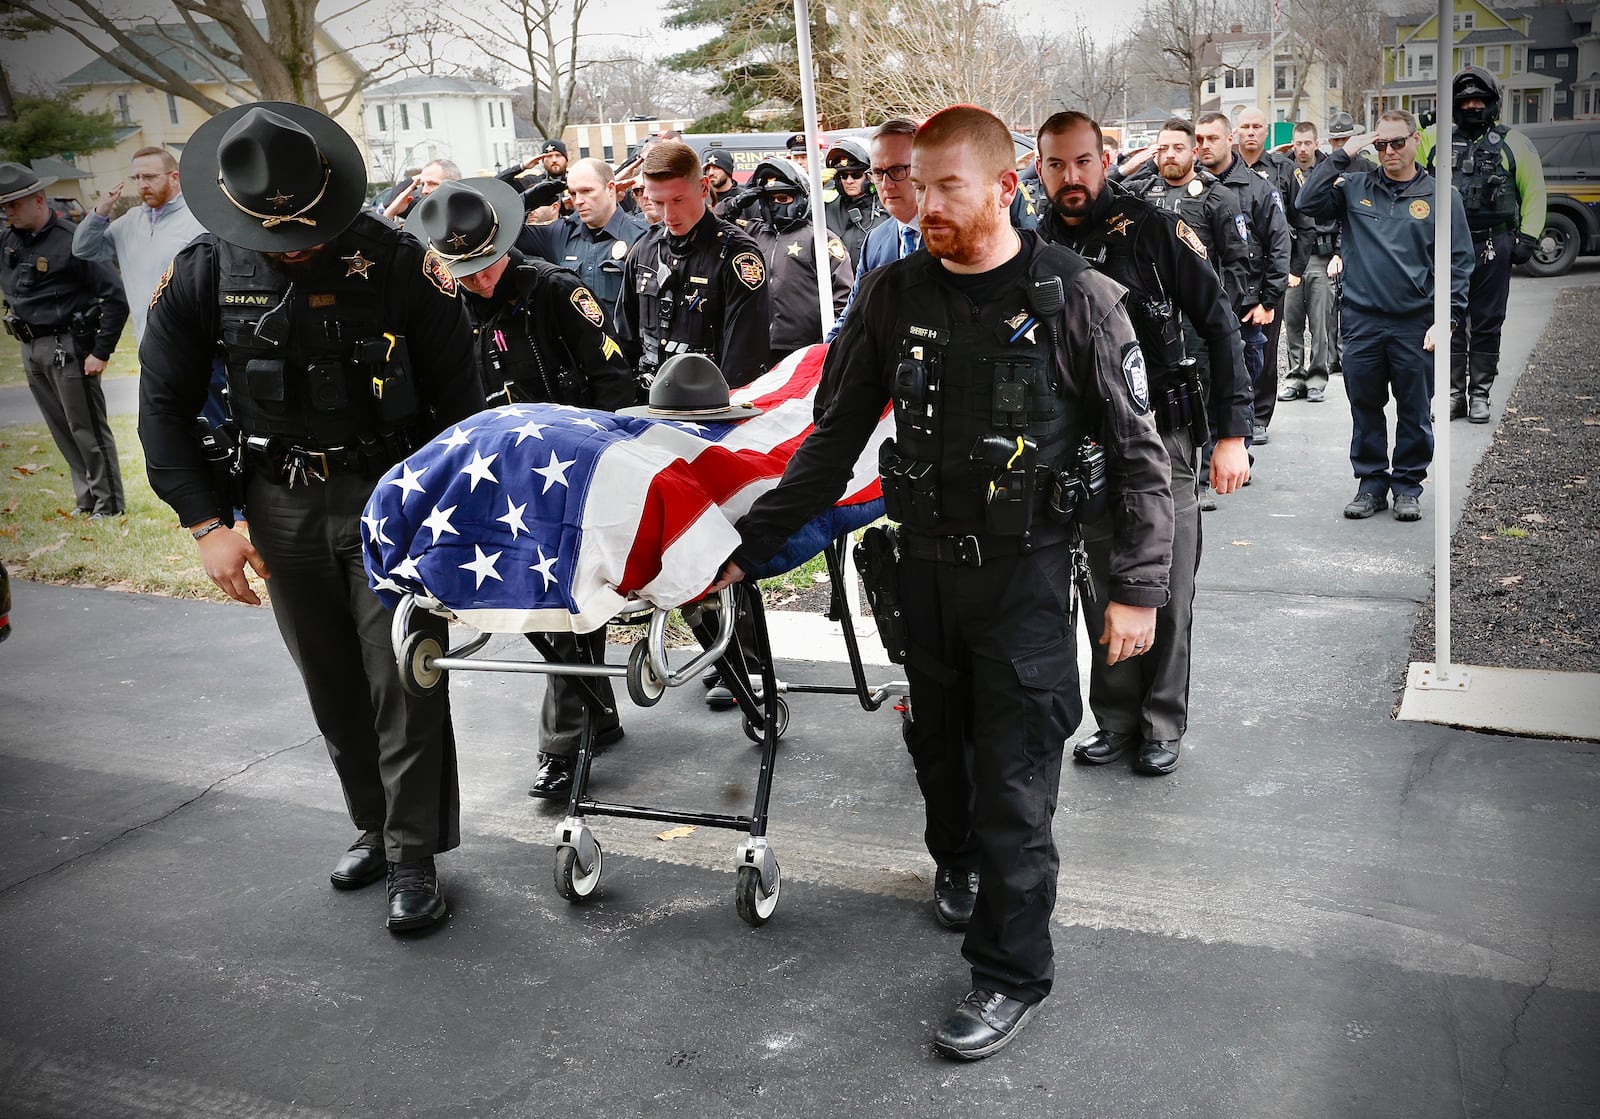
(146, 117)
(1496, 39)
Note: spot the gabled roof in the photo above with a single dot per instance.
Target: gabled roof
(1555, 25)
(49, 165)
(1498, 35)
(175, 45)
(434, 83)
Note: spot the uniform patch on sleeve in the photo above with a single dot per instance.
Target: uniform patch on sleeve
(1190, 238)
(161, 284)
(438, 273)
(750, 270)
(588, 306)
(1133, 372)
(835, 248)
(1243, 227)
(609, 348)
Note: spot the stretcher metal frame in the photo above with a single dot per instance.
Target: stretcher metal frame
(579, 859)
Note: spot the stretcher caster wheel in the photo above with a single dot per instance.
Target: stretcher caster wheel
(780, 724)
(418, 674)
(644, 687)
(755, 904)
(571, 882)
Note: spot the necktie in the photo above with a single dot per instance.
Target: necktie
(908, 242)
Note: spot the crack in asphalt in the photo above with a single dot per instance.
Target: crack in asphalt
(1412, 777)
(125, 832)
(1516, 1025)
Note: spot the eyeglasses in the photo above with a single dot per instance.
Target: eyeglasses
(843, 173)
(896, 174)
(1385, 145)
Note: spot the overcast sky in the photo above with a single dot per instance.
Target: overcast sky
(42, 59)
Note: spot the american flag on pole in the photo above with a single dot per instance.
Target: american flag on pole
(543, 517)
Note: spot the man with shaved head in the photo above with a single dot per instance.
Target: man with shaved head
(1012, 369)
(595, 238)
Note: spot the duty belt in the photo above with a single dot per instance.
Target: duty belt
(1495, 230)
(291, 463)
(28, 332)
(975, 551)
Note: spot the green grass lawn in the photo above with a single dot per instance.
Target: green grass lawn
(124, 363)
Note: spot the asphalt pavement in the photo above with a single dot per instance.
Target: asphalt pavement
(1323, 912)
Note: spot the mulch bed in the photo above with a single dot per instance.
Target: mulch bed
(1525, 560)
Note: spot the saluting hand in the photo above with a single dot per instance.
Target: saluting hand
(223, 554)
(108, 200)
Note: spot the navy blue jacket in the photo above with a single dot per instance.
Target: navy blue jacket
(1387, 238)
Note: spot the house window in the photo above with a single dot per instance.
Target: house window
(1464, 58)
(1282, 78)
(383, 121)
(502, 114)
(427, 115)
(1333, 77)
(1538, 62)
(1494, 59)
(608, 152)
(1561, 97)
(1211, 85)
(124, 115)
(1242, 78)
(1422, 104)
(172, 109)
(1464, 21)
(1519, 59)
(405, 117)
(1561, 61)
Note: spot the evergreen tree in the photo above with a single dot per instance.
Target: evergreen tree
(53, 126)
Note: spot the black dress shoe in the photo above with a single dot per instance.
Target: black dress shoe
(955, 894)
(1316, 396)
(1156, 758)
(1103, 746)
(1477, 410)
(984, 1023)
(362, 865)
(720, 696)
(1259, 436)
(1458, 407)
(415, 898)
(1292, 390)
(554, 779)
(1364, 505)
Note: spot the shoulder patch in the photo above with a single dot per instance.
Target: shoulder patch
(589, 307)
(1190, 238)
(750, 270)
(1133, 372)
(1243, 227)
(836, 248)
(433, 267)
(161, 284)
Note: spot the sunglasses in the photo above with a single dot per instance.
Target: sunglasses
(896, 174)
(844, 174)
(1385, 145)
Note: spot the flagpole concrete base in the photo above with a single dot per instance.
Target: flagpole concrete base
(1511, 700)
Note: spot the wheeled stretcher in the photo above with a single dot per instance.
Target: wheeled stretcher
(538, 519)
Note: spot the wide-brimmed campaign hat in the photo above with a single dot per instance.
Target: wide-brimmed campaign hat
(690, 387)
(1341, 127)
(273, 176)
(17, 181)
(468, 223)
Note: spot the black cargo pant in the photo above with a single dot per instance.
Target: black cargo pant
(395, 754)
(1148, 696)
(987, 746)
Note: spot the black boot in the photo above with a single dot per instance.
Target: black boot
(1482, 370)
(1458, 384)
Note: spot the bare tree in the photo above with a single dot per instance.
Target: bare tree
(1093, 77)
(616, 88)
(278, 60)
(538, 38)
(1177, 44)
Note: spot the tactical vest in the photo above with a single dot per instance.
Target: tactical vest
(1189, 203)
(301, 363)
(511, 350)
(1486, 170)
(680, 311)
(981, 424)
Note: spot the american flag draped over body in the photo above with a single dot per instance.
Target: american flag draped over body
(543, 517)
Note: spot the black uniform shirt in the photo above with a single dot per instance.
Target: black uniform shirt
(544, 329)
(183, 335)
(792, 276)
(1093, 338)
(45, 285)
(851, 219)
(1213, 211)
(1155, 255)
(723, 304)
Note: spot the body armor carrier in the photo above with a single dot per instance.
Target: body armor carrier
(1486, 170)
(517, 365)
(676, 314)
(308, 358)
(981, 426)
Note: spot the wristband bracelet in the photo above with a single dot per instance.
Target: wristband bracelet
(197, 533)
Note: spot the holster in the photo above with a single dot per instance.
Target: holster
(877, 558)
(221, 448)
